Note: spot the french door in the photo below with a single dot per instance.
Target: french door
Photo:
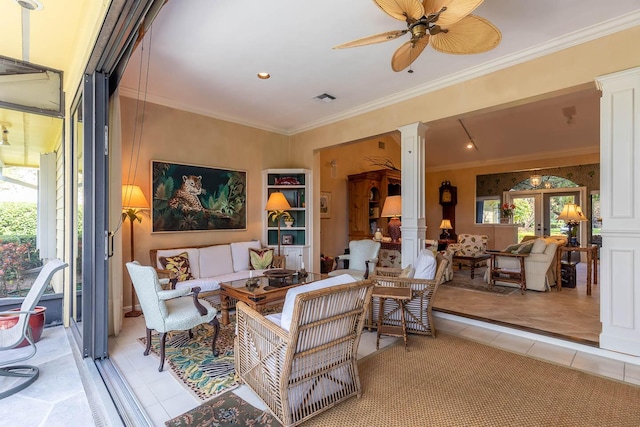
(537, 212)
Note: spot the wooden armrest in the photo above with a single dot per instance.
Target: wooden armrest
(201, 308)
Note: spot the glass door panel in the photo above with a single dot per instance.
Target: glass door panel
(553, 204)
(527, 214)
(78, 201)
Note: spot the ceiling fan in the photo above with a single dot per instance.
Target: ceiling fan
(446, 23)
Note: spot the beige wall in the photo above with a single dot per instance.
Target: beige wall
(350, 159)
(182, 137)
(465, 180)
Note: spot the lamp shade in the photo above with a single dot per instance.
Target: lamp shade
(133, 198)
(572, 213)
(392, 207)
(446, 224)
(277, 202)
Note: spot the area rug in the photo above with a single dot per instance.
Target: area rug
(462, 280)
(227, 410)
(192, 361)
(451, 381)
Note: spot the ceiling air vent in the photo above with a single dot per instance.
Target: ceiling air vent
(325, 97)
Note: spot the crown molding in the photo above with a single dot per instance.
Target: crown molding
(575, 38)
(514, 159)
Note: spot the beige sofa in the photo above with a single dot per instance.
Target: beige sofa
(539, 265)
(211, 264)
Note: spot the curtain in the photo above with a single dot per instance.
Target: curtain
(115, 217)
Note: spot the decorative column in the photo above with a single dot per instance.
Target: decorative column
(414, 230)
(620, 209)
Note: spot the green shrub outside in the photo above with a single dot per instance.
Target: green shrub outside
(18, 218)
(18, 222)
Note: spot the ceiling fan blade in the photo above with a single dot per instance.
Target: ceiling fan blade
(456, 9)
(472, 34)
(407, 53)
(402, 9)
(377, 38)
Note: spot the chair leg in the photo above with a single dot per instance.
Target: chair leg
(146, 350)
(190, 334)
(216, 326)
(31, 374)
(163, 340)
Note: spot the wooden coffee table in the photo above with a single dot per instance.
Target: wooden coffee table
(472, 261)
(266, 291)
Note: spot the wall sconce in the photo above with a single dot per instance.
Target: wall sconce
(334, 168)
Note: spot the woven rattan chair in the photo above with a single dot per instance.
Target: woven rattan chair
(311, 367)
(418, 310)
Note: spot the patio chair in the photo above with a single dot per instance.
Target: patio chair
(15, 335)
(303, 361)
(167, 310)
(417, 310)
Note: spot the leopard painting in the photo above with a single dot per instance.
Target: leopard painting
(186, 198)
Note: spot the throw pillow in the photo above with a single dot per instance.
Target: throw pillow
(407, 272)
(525, 248)
(178, 265)
(425, 265)
(260, 259)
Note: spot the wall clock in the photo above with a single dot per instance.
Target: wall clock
(448, 194)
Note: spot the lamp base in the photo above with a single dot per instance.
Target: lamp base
(133, 313)
(445, 235)
(394, 228)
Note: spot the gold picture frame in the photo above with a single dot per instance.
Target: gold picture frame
(325, 204)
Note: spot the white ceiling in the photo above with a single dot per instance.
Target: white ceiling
(204, 57)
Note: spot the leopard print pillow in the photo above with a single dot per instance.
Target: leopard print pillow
(178, 265)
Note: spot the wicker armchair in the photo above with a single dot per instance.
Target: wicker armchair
(418, 310)
(311, 367)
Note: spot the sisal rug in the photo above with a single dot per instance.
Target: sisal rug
(462, 280)
(451, 381)
(192, 361)
(227, 410)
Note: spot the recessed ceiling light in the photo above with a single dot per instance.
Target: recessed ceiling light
(264, 76)
(30, 4)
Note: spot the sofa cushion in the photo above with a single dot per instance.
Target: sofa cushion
(194, 258)
(290, 298)
(538, 246)
(425, 265)
(215, 261)
(178, 265)
(240, 254)
(260, 259)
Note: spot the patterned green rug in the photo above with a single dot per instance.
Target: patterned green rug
(192, 361)
(227, 410)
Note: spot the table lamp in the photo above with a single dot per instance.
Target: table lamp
(133, 201)
(572, 215)
(445, 225)
(278, 206)
(393, 209)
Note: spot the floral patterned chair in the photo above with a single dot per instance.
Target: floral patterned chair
(471, 245)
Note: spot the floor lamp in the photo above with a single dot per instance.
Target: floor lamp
(133, 201)
(278, 206)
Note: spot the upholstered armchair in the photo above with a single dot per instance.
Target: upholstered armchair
(362, 257)
(418, 310)
(302, 361)
(15, 335)
(539, 264)
(471, 245)
(169, 310)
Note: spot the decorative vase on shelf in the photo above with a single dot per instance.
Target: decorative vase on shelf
(288, 222)
(505, 220)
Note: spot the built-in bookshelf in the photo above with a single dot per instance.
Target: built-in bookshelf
(295, 185)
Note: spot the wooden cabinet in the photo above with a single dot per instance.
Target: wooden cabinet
(367, 193)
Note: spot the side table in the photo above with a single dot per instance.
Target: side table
(508, 275)
(592, 263)
(401, 295)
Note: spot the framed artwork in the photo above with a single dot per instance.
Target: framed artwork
(197, 198)
(287, 239)
(325, 204)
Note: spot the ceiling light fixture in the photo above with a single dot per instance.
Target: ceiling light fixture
(30, 4)
(264, 76)
(471, 144)
(535, 180)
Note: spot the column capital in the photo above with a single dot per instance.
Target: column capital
(414, 127)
